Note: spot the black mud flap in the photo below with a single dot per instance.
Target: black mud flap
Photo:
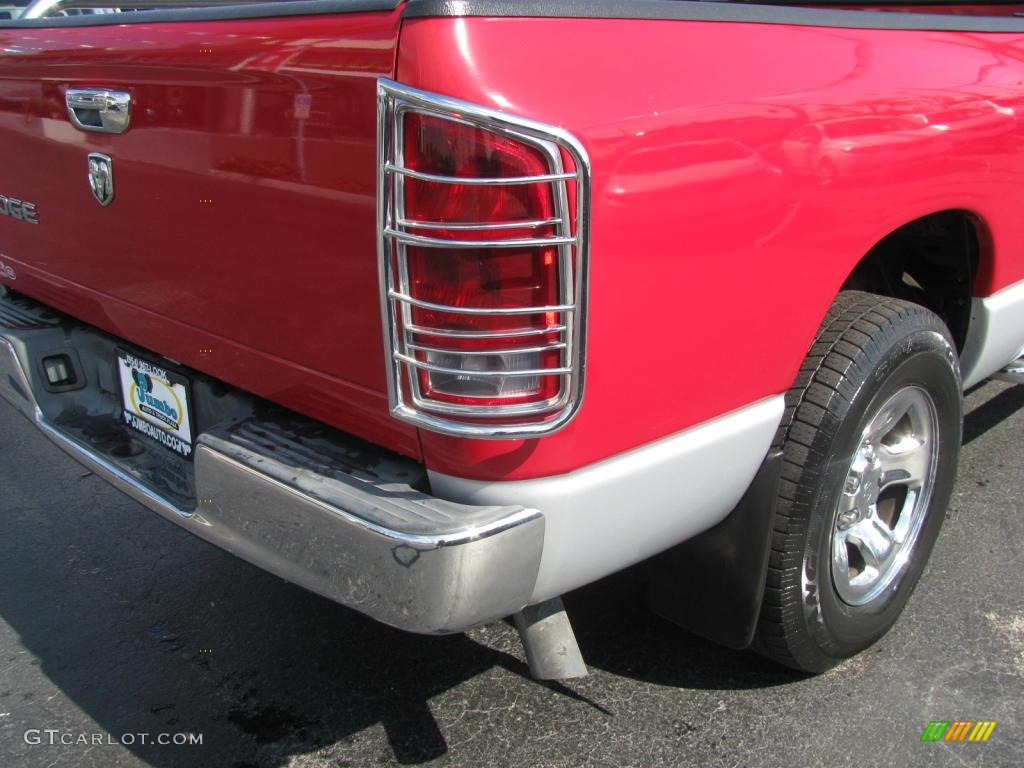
(713, 583)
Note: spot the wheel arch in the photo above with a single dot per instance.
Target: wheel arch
(935, 260)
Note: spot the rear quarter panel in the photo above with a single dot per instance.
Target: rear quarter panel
(721, 226)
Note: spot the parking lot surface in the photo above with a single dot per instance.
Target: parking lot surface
(114, 623)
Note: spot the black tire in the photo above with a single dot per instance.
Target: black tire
(869, 352)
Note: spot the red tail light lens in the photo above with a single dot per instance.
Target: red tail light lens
(445, 148)
(482, 267)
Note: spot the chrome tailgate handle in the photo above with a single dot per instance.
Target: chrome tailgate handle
(97, 109)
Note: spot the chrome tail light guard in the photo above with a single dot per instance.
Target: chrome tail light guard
(570, 227)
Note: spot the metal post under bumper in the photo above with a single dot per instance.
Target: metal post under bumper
(551, 648)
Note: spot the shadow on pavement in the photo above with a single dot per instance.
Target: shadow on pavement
(991, 412)
(202, 643)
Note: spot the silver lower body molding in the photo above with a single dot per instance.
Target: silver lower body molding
(995, 336)
(606, 516)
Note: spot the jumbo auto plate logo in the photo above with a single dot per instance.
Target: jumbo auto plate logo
(156, 404)
(155, 397)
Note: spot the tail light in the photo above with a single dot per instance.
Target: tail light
(482, 234)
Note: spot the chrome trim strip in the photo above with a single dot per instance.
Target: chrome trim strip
(468, 226)
(203, 11)
(460, 372)
(43, 8)
(440, 242)
(469, 429)
(427, 331)
(488, 352)
(789, 12)
(405, 298)
(496, 181)
(484, 411)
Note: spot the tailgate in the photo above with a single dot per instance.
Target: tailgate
(240, 238)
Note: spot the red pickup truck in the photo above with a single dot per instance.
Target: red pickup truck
(443, 309)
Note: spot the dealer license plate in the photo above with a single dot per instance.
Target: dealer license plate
(155, 402)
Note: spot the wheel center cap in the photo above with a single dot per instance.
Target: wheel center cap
(863, 486)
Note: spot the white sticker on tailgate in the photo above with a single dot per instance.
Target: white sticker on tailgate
(155, 402)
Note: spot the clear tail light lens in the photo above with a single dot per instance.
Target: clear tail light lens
(483, 266)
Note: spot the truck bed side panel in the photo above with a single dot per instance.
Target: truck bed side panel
(740, 171)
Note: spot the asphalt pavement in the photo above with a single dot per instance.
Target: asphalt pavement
(118, 630)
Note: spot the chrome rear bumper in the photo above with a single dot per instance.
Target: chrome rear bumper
(281, 493)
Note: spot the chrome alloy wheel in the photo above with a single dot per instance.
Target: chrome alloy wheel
(885, 496)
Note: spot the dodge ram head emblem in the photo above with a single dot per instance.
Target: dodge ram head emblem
(101, 177)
